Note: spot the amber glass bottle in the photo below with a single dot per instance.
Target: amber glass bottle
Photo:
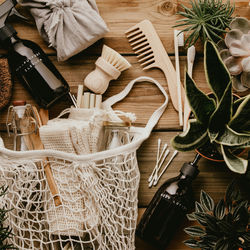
(33, 68)
(168, 208)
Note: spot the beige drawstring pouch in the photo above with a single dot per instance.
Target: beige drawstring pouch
(69, 26)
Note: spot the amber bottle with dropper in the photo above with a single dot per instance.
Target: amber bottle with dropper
(168, 208)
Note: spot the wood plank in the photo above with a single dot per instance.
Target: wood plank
(143, 100)
(125, 14)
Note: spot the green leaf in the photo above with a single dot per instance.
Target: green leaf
(201, 218)
(234, 163)
(217, 75)
(237, 103)
(225, 227)
(232, 138)
(206, 201)
(222, 114)
(192, 243)
(194, 137)
(191, 217)
(220, 210)
(198, 207)
(221, 244)
(195, 231)
(240, 121)
(201, 105)
(211, 223)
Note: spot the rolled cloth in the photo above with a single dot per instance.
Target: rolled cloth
(69, 26)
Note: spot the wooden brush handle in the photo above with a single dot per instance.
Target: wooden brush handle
(170, 74)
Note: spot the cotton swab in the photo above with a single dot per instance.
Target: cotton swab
(165, 168)
(155, 177)
(157, 161)
(73, 99)
(178, 41)
(190, 63)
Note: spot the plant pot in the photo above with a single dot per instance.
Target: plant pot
(208, 150)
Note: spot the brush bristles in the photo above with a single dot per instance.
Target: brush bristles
(115, 59)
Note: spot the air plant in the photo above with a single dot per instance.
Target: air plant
(206, 19)
(235, 52)
(224, 226)
(220, 121)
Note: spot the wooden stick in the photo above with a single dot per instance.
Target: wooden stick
(79, 96)
(178, 80)
(42, 118)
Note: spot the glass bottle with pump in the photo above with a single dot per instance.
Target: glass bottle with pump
(168, 208)
(33, 68)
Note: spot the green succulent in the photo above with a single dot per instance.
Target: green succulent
(224, 226)
(219, 120)
(5, 231)
(206, 19)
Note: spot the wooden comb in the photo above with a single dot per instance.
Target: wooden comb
(151, 54)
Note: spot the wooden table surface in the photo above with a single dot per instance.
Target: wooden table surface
(144, 99)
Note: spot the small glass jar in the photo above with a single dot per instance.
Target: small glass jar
(115, 134)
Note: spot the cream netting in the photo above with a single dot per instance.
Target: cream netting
(99, 203)
(98, 190)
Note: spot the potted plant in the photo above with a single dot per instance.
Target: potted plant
(5, 231)
(221, 226)
(219, 120)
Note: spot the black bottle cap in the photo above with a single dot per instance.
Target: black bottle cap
(189, 170)
(6, 32)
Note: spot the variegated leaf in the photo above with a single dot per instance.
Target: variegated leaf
(217, 75)
(194, 137)
(234, 163)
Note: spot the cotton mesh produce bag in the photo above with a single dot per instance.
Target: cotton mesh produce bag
(107, 182)
(69, 26)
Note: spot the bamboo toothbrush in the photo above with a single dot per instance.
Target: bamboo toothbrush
(152, 54)
(108, 67)
(178, 41)
(190, 64)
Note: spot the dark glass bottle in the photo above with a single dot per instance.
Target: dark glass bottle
(33, 68)
(168, 208)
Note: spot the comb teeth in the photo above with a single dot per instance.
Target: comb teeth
(140, 45)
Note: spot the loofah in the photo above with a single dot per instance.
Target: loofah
(5, 83)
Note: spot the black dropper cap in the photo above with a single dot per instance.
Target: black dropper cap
(190, 169)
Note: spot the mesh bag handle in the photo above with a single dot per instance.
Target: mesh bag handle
(153, 120)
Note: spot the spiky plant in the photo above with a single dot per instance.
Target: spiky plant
(223, 226)
(219, 121)
(206, 19)
(5, 231)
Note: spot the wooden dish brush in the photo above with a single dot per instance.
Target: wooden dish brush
(5, 83)
(108, 67)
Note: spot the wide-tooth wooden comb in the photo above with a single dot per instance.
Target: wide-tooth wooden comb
(151, 54)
